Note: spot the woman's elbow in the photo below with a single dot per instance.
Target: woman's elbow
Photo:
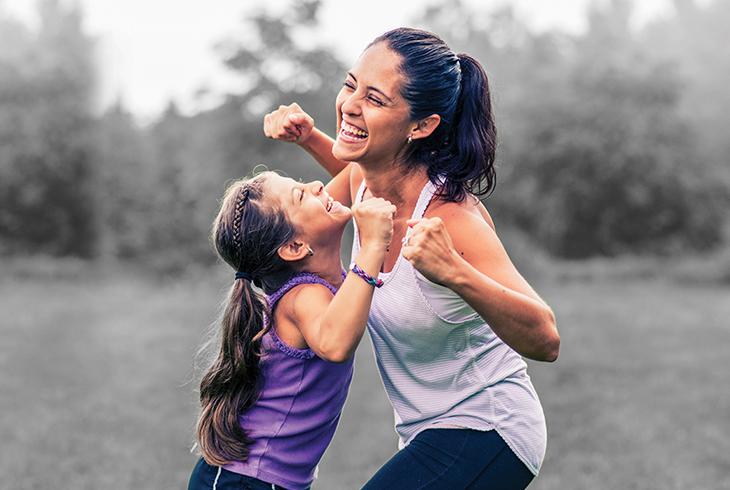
(551, 338)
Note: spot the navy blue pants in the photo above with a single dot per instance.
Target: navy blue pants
(453, 459)
(207, 477)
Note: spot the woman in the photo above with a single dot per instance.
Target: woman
(454, 316)
(271, 399)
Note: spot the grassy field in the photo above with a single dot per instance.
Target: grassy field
(98, 384)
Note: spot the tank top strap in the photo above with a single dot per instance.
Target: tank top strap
(360, 192)
(296, 280)
(424, 199)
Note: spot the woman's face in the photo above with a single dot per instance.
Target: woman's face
(373, 120)
(317, 217)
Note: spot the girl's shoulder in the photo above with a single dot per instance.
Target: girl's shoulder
(294, 307)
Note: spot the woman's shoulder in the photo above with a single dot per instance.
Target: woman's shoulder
(470, 212)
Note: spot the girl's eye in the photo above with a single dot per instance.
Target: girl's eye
(301, 194)
(349, 85)
(375, 100)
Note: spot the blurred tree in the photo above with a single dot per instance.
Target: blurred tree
(600, 160)
(125, 184)
(46, 174)
(695, 40)
(278, 68)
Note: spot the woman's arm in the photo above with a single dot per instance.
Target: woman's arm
(319, 145)
(458, 249)
(291, 123)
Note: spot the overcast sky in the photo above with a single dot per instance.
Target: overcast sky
(151, 51)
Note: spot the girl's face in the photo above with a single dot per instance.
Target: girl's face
(317, 217)
(373, 120)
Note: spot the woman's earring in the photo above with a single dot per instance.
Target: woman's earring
(410, 139)
(310, 252)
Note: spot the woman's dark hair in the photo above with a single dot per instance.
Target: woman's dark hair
(438, 81)
(247, 235)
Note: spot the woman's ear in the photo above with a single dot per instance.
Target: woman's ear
(426, 126)
(293, 251)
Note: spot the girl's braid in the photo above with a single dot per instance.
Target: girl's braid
(237, 216)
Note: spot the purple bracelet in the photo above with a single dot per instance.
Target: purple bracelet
(368, 279)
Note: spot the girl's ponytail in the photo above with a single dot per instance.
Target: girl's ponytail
(229, 387)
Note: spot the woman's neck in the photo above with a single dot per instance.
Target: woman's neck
(399, 186)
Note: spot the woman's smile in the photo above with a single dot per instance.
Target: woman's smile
(350, 133)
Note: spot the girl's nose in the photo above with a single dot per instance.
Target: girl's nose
(317, 187)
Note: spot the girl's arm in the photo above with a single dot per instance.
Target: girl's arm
(332, 326)
(458, 249)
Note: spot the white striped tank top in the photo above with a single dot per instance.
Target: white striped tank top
(443, 366)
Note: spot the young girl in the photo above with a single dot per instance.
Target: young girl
(271, 400)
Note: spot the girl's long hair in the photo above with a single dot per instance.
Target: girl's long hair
(438, 81)
(247, 235)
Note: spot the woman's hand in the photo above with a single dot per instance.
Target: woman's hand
(374, 218)
(288, 123)
(430, 249)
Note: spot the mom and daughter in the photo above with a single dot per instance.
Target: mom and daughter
(449, 316)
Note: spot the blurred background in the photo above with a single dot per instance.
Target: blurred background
(120, 124)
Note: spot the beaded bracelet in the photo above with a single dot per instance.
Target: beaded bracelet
(368, 279)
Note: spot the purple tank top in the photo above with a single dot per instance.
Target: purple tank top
(301, 398)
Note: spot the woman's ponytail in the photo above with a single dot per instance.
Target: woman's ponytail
(473, 134)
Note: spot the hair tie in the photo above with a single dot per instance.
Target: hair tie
(244, 275)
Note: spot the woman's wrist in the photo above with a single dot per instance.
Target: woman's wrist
(462, 273)
(308, 142)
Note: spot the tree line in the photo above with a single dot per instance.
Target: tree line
(611, 142)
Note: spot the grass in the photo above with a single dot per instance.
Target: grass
(98, 385)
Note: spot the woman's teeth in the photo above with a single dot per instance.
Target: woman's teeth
(330, 202)
(352, 131)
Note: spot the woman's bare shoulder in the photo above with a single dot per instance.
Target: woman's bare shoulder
(467, 209)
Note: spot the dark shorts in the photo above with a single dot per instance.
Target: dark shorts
(207, 477)
(453, 459)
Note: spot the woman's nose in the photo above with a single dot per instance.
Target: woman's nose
(351, 106)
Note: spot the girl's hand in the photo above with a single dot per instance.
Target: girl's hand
(430, 249)
(288, 123)
(374, 218)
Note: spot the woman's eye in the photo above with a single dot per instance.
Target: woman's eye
(349, 85)
(375, 100)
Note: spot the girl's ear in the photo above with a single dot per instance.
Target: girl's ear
(426, 126)
(293, 251)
